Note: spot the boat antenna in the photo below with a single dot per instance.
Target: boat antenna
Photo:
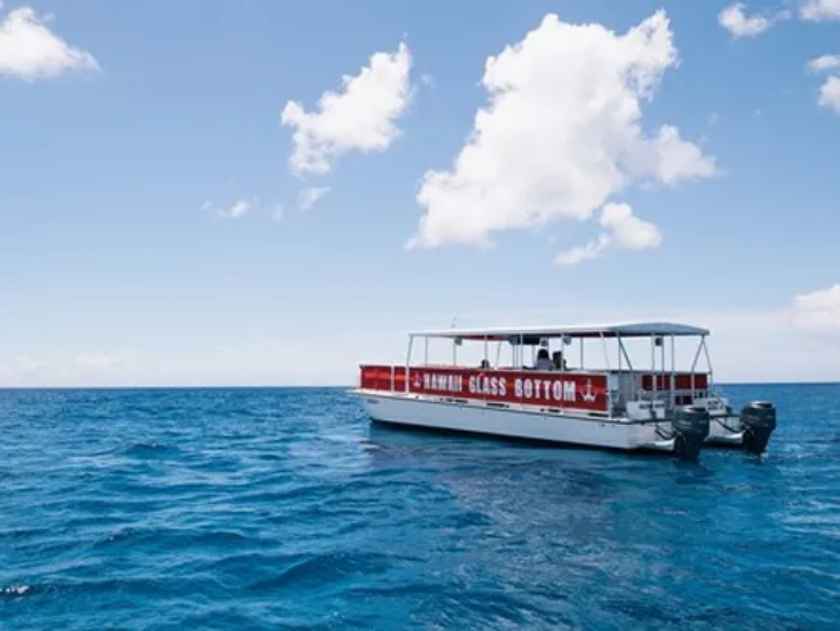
(454, 320)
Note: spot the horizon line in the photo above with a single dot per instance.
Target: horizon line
(335, 386)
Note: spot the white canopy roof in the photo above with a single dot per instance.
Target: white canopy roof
(629, 329)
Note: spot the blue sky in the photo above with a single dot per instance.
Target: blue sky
(118, 166)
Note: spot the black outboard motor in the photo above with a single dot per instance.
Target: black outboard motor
(691, 426)
(758, 420)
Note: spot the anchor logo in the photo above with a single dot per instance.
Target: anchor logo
(418, 383)
(588, 395)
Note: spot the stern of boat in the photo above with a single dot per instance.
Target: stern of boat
(750, 430)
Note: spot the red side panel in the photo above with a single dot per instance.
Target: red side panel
(682, 381)
(382, 377)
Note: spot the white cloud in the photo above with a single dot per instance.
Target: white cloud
(735, 20)
(739, 24)
(29, 50)
(818, 311)
(360, 117)
(581, 253)
(820, 10)
(237, 209)
(628, 231)
(823, 63)
(623, 230)
(308, 197)
(677, 159)
(830, 94)
(561, 133)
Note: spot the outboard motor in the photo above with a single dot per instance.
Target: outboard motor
(691, 426)
(758, 419)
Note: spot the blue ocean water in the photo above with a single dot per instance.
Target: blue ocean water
(266, 508)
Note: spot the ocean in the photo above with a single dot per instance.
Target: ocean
(285, 508)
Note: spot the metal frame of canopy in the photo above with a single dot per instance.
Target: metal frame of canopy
(519, 337)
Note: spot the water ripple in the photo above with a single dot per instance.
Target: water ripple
(267, 508)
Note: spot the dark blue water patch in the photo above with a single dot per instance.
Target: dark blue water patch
(267, 508)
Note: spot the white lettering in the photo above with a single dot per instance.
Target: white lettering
(546, 389)
(569, 391)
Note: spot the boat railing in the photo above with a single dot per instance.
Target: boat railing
(673, 388)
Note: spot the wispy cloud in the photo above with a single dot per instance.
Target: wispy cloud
(29, 50)
(818, 311)
(581, 253)
(820, 10)
(235, 210)
(308, 197)
(735, 19)
(824, 63)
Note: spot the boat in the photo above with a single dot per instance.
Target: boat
(545, 383)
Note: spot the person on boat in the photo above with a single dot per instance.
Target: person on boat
(558, 361)
(543, 360)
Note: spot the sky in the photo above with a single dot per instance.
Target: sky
(212, 193)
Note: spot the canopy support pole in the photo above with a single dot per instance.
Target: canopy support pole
(694, 364)
(661, 339)
(626, 356)
(408, 362)
(673, 372)
(709, 362)
(606, 354)
(653, 366)
(618, 337)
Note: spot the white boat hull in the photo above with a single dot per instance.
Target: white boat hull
(414, 410)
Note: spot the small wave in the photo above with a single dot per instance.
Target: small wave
(324, 568)
(14, 591)
(177, 539)
(151, 450)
